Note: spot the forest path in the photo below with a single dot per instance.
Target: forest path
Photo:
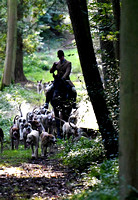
(44, 178)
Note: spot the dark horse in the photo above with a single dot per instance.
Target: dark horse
(61, 101)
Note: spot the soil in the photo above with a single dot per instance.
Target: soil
(44, 178)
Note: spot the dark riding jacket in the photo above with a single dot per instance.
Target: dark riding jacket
(63, 69)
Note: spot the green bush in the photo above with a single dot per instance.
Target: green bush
(81, 154)
(10, 99)
(100, 182)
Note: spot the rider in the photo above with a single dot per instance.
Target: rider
(63, 68)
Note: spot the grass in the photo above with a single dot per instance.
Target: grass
(10, 99)
(36, 66)
(100, 180)
(15, 157)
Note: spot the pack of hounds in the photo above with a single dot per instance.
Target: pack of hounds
(43, 87)
(40, 125)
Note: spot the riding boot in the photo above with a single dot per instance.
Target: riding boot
(74, 96)
(48, 97)
(58, 133)
(58, 129)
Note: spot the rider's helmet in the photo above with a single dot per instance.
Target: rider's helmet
(60, 53)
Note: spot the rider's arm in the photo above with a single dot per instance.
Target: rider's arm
(53, 68)
(68, 71)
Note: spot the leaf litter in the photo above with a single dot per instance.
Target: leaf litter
(44, 178)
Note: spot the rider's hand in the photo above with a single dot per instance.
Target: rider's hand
(63, 78)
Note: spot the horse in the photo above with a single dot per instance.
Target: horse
(61, 101)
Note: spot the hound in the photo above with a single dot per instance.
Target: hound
(14, 135)
(27, 129)
(47, 140)
(39, 87)
(20, 123)
(33, 141)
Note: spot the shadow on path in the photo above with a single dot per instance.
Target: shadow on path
(42, 178)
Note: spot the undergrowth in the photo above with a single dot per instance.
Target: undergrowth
(97, 175)
(10, 99)
(79, 155)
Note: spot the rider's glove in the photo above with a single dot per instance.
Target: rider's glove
(63, 78)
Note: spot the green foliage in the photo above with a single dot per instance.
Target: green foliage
(10, 99)
(52, 19)
(103, 26)
(2, 48)
(96, 195)
(72, 56)
(100, 181)
(32, 42)
(101, 19)
(112, 95)
(37, 65)
(80, 154)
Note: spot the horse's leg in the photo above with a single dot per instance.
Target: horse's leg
(66, 113)
(57, 123)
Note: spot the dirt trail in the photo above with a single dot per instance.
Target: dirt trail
(43, 178)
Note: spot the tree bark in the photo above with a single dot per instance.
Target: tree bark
(116, 11)
(128, 139)
(18, 72)
(11, 44)
(79, 17)
(107, 46)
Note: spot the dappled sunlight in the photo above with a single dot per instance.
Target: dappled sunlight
(10, 171)
(42, 178)
(87, 117)
(90, 181)
(30, 170)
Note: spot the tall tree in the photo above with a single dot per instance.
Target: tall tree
(79, 17)
(128, 139)
(101, 14)
(116, 11)
(107, 45)
(18, 72)
(8, 74)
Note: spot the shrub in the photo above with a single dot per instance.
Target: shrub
(100, 182)
(81, 154)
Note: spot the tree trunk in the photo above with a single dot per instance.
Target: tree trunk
(18, 72)
(11, 44)
(128, 138)
(116, 11)
(107, 46)
(79, 17)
